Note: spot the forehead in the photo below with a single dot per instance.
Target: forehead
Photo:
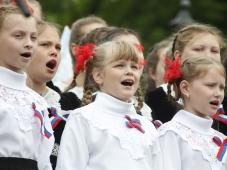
(50, 34)
(204, 39)
(115, 53)
(211, 73)
(19, 22)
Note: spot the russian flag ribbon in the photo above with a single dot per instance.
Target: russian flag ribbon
(40, 116)
(220, 116)
(222, 151)
(55, 118)
(134, 123)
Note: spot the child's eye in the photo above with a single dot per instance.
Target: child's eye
(44, 44)
(33, 38)
(215, 51)
(197, 49)
(119, 65)
(210, 85)
(135, 66)
(222, 87)
(58, 47)
(18, 36)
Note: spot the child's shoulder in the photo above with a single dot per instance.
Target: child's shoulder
(84, 111)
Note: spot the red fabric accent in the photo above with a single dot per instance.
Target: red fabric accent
(140, 47)
(82, 54)
(172, 69)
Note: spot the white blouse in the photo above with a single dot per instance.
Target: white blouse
(187, 143)
(145, 110)
(20, 130)
(96, 138)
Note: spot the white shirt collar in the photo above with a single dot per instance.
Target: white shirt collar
(12, 79)
(194, 122)
(108, 102)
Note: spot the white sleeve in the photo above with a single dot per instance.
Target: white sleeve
(73, 152)
(170, 148)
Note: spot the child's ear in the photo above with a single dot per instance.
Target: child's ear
(151, 73)
(184, 88)
(97, 76)
(177, 54)
(73, 47)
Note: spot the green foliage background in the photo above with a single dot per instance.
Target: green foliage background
(150, 18)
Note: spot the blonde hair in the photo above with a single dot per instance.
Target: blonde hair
(194, 67)
(43, 25)
(184, 35)
(77, 27)
(6, 10)
(118, 50)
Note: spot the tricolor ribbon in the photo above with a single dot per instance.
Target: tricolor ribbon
(55, 117)
(40, 116)
(134, 123)
(222, 151)
(220, 116)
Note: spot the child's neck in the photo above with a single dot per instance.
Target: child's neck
(40, 88)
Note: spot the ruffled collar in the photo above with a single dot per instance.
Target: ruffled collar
(12, 79)
(112, 104)
(108, 115)
(196, 123)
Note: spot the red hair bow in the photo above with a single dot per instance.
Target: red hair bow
(172, 69)
(143, 62)
(140, 47)
(82, 54)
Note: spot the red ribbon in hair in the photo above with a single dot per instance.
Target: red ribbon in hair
(140, 47)
(172, 71)
(82, 54)
(143, 62)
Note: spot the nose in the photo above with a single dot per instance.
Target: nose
(53, 52)
(129, 70)
(219, 92)
(29, 43)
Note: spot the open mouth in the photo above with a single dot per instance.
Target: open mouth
(51, 64)
(26, 55)
(215, 103)
(127, 82)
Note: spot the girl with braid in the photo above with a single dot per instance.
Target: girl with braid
(188, 141)
(106, 134)
(99, 36)
(196, 40)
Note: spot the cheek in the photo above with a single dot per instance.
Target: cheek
(138, 74)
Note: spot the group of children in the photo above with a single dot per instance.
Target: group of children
(108, 126)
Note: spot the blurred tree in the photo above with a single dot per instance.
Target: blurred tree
(150, 18)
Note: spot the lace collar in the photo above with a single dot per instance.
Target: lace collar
(111, 119)
(194, 122)
(112, 104)
(197, 132)
(12, 79)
